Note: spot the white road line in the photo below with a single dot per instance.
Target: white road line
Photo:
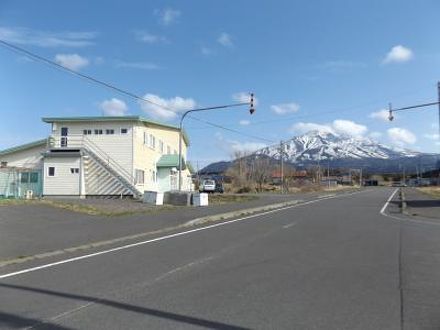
(289, 225)
(382, 211)
(162, 238)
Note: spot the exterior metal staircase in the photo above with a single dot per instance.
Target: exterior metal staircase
(91, 150)
(111, 166)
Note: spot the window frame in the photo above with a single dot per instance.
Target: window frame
(122, 129)
(139, 176)
(49, 170)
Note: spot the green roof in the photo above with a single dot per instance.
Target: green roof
(170, 161)
(24, 147)
(115, 118)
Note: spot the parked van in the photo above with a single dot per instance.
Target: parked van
(207, 185)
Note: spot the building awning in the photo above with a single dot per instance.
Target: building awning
(170, 161)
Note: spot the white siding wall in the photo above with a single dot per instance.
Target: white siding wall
(29, 158)
(64, 182)
(119, 147)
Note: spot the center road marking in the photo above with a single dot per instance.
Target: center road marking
(289, 225)
(166, 237)
(382, 211)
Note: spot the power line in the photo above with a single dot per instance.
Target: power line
(78, 74)
(230, 129)
(91, 79)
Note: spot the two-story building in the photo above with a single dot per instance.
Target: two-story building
(96, 156)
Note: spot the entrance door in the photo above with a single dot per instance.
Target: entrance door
(64, 133)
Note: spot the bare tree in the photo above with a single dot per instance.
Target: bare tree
(262, 169)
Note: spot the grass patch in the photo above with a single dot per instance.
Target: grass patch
(432, 191)
(90, 209)
(217, 199)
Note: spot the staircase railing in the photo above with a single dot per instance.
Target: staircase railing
(111, 165)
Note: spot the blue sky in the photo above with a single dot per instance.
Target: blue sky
(312, 64)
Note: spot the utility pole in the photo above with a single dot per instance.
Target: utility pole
(282, 165)
(328, 173)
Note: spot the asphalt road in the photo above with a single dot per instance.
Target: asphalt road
(331, 264)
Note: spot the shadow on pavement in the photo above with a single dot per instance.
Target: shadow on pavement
(12, 321)
(423, 203)
(17, 321)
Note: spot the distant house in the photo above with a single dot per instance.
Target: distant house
(104, 156)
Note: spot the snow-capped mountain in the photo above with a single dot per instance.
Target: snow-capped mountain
(340, 151)
(324, 146)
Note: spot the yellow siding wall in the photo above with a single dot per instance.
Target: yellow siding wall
(145, 157)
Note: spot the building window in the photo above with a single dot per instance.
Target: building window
(87, 132)
(98, 131)
(24, 177)
(168, 150)
(161, 148)
(3, 164)
(109, 131)
(74, 170)
(153, 176)
(51, 171)
(139, 177)
(124, 130)
(152, 141)
(34, 177)
(146, 138)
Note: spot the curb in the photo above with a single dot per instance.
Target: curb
(403, 204)
(234, 214)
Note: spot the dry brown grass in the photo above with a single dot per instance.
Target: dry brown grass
(432, 191)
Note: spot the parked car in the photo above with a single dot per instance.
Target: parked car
(207, 185)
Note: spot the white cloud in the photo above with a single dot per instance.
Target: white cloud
(285, 108)
(225, 40)
(401, 136)
(113, 107)
(137, 65)
(243, 97)
(375, 135)
(398, 54)
(244, 122)
(150, 38)
(168, 16)
(73, 62)
(434, 136)
(166, 109)
(381, 115)
(348, 127)
(339, 126)
(246, 147)
(24, 36)
(302, 128)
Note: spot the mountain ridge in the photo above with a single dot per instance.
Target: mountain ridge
(337, 150)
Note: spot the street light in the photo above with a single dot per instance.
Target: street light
(251, 111)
